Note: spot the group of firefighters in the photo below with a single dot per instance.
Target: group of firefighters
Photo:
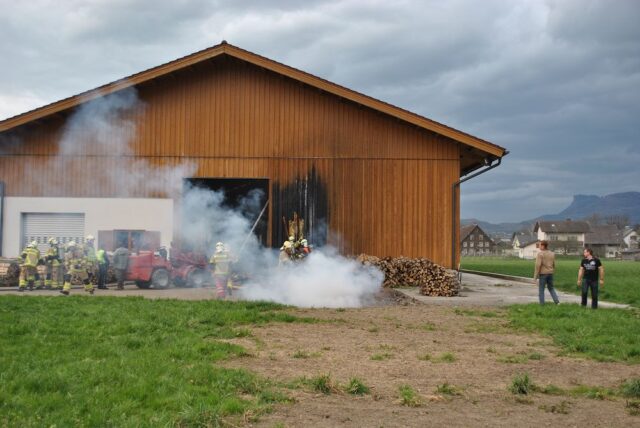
(83, 264)
(77, 263)
(293, 250)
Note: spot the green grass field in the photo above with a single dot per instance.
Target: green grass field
(622, 278)
(603, 335)
(124, 362)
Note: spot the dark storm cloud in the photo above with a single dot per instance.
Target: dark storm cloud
(556, 82)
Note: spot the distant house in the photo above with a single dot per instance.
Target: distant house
(475, 242)
(605, 240)
(630, 238)
(564, 237)
(525, 245)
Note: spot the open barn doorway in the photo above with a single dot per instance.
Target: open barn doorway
(245, 196)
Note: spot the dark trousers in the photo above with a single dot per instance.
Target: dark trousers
(102, 275)
(546, 279)
(593, 285)
(121, 274)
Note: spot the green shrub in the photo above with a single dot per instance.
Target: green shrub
(357, 387)
(522, 384)
(409, 397)
(631, 388)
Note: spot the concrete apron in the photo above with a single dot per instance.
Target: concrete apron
(481, 290)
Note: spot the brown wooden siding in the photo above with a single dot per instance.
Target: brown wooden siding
(388, 182)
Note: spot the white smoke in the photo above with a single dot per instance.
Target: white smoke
(105, 128)
(324, 279)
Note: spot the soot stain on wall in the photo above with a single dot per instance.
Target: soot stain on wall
(307, 196)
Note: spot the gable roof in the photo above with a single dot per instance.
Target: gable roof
(604, 235)
(524, 239)
(488, 149)
(567, 226)
(465, 231)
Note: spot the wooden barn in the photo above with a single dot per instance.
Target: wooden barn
(367, 176)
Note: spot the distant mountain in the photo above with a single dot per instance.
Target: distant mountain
(616, 204)
(582, 206)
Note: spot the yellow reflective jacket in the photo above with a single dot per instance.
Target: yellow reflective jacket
(221, 262)
(30, 257)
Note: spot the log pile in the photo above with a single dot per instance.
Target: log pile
(9, 272)
(433, 279)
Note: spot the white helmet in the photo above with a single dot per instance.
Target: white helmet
(90, 238)
(292, 238)
(33, 244)
(71, 244)
(52, 241)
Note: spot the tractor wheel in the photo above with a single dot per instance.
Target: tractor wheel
(196, 278)
(160, 278)
(143, 284)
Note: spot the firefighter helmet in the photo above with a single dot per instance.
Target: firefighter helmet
(53, 241)
(33, 244)
(304, 242)
(71, 244)
(90, 238)
(287, 244)
(292, 238)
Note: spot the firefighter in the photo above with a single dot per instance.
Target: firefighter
(91, 259)
(76, 269)
(221, 261)
(304, 248)
(29, 266)
(103, 266)
(286, 250)
(52, 262)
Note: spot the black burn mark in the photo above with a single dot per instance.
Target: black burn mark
(308, 197)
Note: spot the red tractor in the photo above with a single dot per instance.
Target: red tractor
(153, 268)
(190, 269)
(149, 268)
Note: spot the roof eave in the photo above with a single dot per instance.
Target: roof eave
(225, 48)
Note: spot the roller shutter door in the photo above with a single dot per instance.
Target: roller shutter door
(40, 227)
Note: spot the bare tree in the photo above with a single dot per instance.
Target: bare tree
(594, 219)
(620, 220)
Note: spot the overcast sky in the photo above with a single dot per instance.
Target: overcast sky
(555, 82)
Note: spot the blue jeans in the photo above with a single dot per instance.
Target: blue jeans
(547, 279)
(593, 285)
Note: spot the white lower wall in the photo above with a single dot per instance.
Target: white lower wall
(99, 214)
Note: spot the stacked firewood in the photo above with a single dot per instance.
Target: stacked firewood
(433, 279)
(9, 272)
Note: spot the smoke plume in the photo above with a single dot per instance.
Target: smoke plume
(105, 128)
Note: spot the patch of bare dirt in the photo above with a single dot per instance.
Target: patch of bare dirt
(393, 345)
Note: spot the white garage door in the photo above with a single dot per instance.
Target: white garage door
(40, 227)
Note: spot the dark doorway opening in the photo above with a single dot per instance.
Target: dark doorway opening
(236, 193)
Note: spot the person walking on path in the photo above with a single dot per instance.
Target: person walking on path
(545, 266)
(590, 270)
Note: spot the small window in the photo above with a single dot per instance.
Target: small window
(481, 237)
